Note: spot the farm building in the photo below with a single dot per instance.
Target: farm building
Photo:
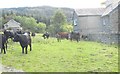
(99, 24)
(12, 25)
(110, 22)
(89, 21)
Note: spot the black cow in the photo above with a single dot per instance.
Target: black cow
(46, 35)
(75, 36)
(85, 37)
(3, 43)
(24, 40)
(33, 34)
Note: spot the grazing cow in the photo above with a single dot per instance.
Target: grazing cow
(3, 43)
(75, 36)
(62, 35)
(33, 34)
(46, 35)
(24, 40)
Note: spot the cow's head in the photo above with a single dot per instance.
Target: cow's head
(9, 34)
(16, 38)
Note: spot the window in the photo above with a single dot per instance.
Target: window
(104, 23)
(6, 25)
(75, 22)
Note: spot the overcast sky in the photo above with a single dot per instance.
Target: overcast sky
(55, 3)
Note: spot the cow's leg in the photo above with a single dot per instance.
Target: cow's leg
(44, 37)
(6, 45)
(57, 39)
(23, 50)
(4, 49)
(1, 50)
(77, 40)
(60, 39)
(67, 38)
(30, 47)
(26, 49)
(71, 39)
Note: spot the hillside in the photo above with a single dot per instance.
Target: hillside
(41, 14)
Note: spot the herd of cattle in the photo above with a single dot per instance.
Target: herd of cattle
(24, 38)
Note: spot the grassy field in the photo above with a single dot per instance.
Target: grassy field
(65, 56)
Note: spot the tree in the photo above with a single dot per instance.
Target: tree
(41, 27)
(28, 23)
(58, 20)
(67, 28)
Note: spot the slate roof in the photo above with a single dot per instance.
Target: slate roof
(111, 7)
(12, 23)
(90, 11)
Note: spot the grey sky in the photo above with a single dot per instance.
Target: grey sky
(55, 3)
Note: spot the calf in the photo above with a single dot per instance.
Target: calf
(33, 34)
(85, 37)
(3, 43)
(24, 40)
(46, 35)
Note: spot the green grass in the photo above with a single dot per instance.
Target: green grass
(65, 56)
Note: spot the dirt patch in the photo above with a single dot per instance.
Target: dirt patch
(8, 69)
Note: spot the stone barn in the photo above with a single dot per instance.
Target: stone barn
(110, 22)
(89, 22)
(12, 25)
(99, 24)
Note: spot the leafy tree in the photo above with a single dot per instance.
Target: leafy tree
(28, 23)
(67, 28)
(41, 27)
(58, 20)
(58, 23)
(51, 30)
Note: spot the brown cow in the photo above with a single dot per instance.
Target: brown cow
(62, 35)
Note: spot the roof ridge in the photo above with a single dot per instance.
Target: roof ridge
(90, 11)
